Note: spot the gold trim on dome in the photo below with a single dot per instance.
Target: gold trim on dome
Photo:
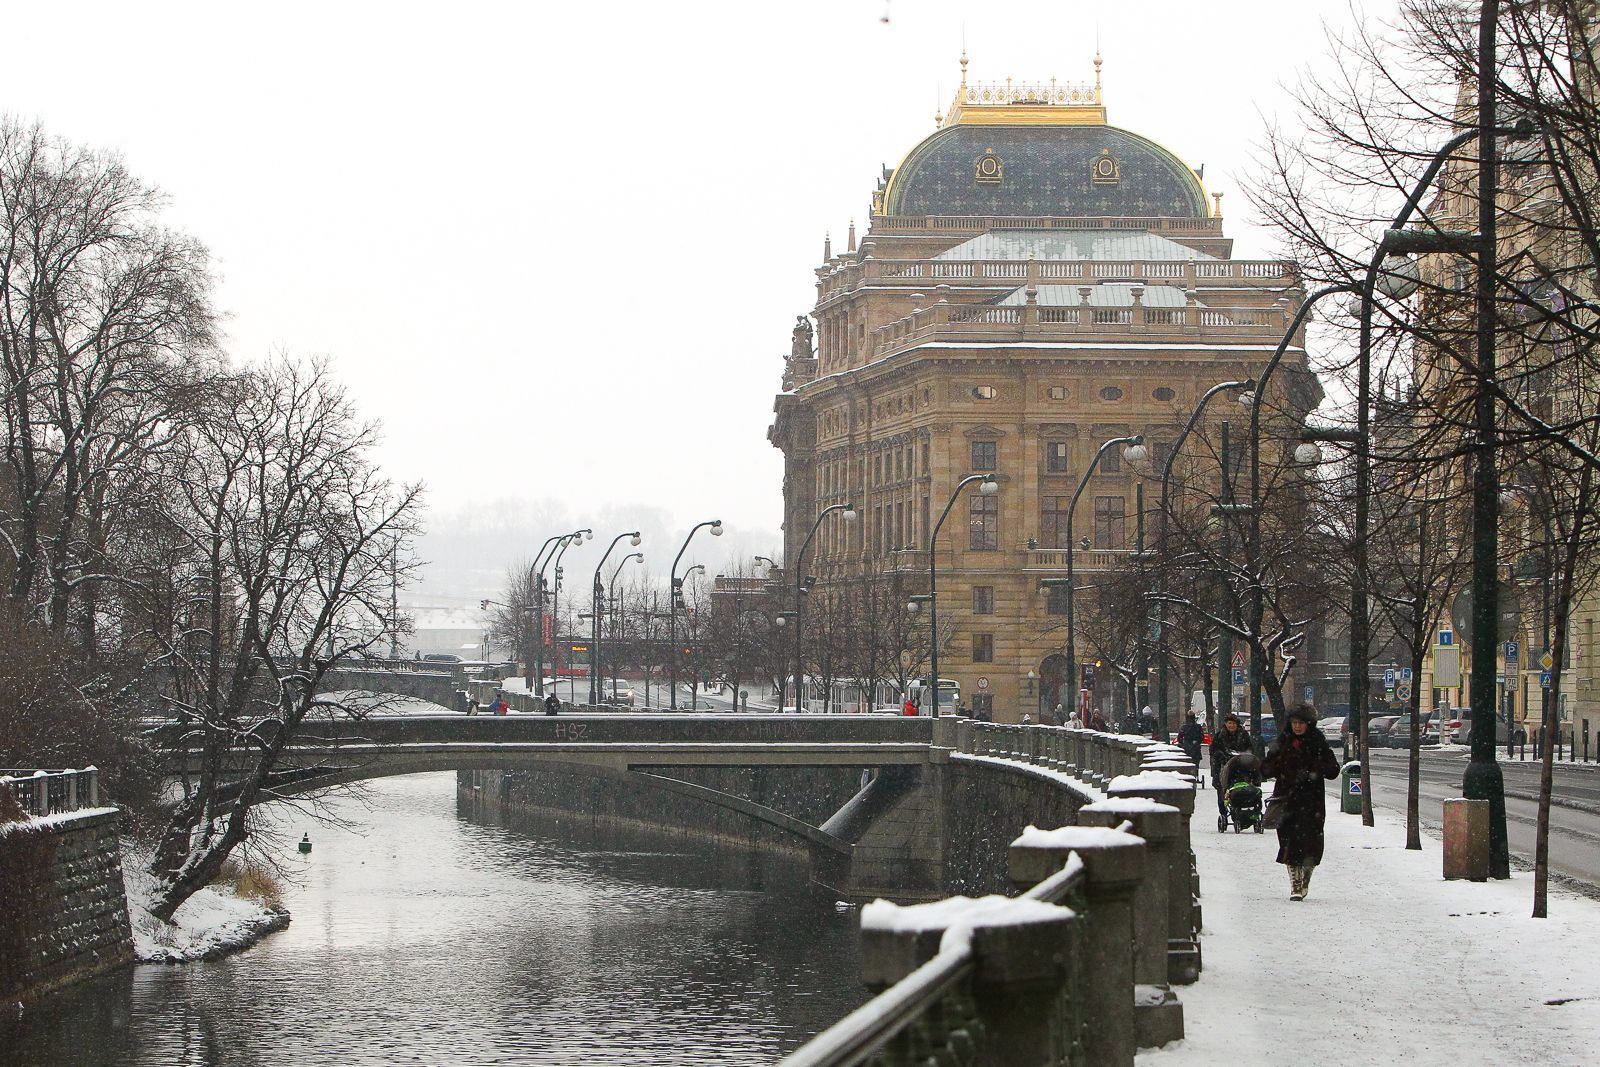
(1014, 103)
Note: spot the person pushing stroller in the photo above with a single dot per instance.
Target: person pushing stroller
(1226, 743)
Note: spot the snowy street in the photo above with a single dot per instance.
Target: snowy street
(1385, 962)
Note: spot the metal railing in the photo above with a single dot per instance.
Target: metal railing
(42, 792)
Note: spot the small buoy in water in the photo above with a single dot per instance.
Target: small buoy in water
(305, 843)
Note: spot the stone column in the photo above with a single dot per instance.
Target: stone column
(1157, 1014)
(1183, 913)
(1113, 866)
(1021, 953)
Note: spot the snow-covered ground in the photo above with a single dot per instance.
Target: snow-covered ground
(209, 924)
(1384, 963)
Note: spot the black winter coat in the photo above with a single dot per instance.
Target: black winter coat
(1300, 765)
(1190, 737)
(1224, 746)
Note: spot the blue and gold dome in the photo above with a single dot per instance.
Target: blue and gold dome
(1039, 151)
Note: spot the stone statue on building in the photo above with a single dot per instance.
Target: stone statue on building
(800, 344)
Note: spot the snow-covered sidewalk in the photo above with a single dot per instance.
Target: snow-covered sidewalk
(1385, 962)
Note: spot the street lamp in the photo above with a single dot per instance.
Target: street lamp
(611, 599)
(534, 668)
(576, 537)
(1134, 451)
(694, 670)
(768, 560)
(596, 595)
(988, 487)
(672, 607)
(802, 586)
(1245, 386)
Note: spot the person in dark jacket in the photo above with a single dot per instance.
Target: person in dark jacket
(1191, 735)
(552, 704)
(1225, 744)
(1300, 762)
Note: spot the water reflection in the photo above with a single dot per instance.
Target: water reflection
(441, 934)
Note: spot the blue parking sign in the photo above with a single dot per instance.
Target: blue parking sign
(1238, 676)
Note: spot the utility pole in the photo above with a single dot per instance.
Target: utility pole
(1224, 638)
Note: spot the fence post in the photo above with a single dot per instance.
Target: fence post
(1157, 1015)
(1183, 913)
(1113, 865)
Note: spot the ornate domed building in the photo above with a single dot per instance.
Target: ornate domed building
(1033, 282)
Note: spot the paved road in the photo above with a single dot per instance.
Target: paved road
(1574, 818)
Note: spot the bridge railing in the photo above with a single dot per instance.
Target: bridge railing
(1078, 970)
(43, 792)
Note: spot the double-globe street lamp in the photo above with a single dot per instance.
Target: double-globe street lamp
(672, 607)
(577, 538)
(1159, 622)
(533, 674)
(611, 601)
(1134, 451)
(988, 486)
(802, 586)
(596, 601)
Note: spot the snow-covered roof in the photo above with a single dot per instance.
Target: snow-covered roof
(1048, 245)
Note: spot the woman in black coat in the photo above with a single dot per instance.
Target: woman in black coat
(1300, 762)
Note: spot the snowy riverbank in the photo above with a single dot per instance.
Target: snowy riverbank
(210, 924)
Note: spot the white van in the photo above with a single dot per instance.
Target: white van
(922, 696)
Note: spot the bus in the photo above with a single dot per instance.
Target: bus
(922, 695)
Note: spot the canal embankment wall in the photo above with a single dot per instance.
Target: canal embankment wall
(63, 909)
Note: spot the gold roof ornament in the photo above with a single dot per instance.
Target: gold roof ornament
(1217, 211)
(1016, 103)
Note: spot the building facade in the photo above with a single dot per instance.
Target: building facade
(1033, 282)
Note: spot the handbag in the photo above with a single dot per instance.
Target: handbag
(1272, 817)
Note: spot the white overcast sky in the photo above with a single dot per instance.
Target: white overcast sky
(557, 248)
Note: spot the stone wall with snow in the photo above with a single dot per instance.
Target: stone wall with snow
(63, 910)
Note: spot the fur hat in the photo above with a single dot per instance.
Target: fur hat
(1304, 712)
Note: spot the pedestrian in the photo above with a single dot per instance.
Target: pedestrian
(1097, 721)
(1225, 744)
(910, 708)
(1300, 762)
(472, 706)
(502, 706)
(552, 704)
(1076, 719)
(1190, 737)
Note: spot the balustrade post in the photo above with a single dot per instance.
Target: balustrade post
(72, 790)
(1158, 1015)
(1021, 950)
(964, 736)
(1113, 866)
(1183, 911)
(41, 793)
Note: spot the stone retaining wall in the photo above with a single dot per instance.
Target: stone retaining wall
(63, 910)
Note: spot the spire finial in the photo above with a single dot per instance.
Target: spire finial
(963, 66)
(1097, 62)
(851, 247)
(827, 247)
(1217, 213)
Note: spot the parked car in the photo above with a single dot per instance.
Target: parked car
(1399, 735)
(616, 692)
(1332, 728)
(1378, 727)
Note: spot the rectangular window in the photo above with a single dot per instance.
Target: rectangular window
(1110, 522)
(983, 520)
(1053, 521)
(984, 455)
(983, 600)
(927, 523)
(1111, 461)
(983, 707)
(1055, 602)
(1055, 457)
(1159, 453)
(1058, 392)
(900, 539)
(983, 648)
(925, 464)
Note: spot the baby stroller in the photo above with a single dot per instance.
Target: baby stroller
(1241, 778)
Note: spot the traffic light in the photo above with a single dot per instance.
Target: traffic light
(1088, 674)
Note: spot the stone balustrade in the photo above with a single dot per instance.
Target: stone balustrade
(42, 792)
(1076, 971)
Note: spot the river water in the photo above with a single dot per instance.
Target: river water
(429, 933)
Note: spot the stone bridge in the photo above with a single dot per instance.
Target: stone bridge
(436, 683)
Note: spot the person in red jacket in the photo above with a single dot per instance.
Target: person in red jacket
(911, 707)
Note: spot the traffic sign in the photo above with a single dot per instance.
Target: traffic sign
(1405, 674)
(1404, 692)
(1310, 692)
(1238, 676)
(983, 683)
(1238, 658)
(1388, 676)
(1512, 653)
(1544, 679)
(1446, 637)
(1547, 660)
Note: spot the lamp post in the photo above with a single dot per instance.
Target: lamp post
(802, 586)
(672, 607)
(533, 674)
(988, 487)
(596, 599)
(694, 626)
(576, 537)
(1244, 384)
(1135, 452)
(1531, 495)
(781, 620)
(611, 599)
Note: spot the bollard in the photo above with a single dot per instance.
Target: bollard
(1113, 866)
(1021, 950)
(1466, 839)
(1157, 1013)
(1183, 913)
